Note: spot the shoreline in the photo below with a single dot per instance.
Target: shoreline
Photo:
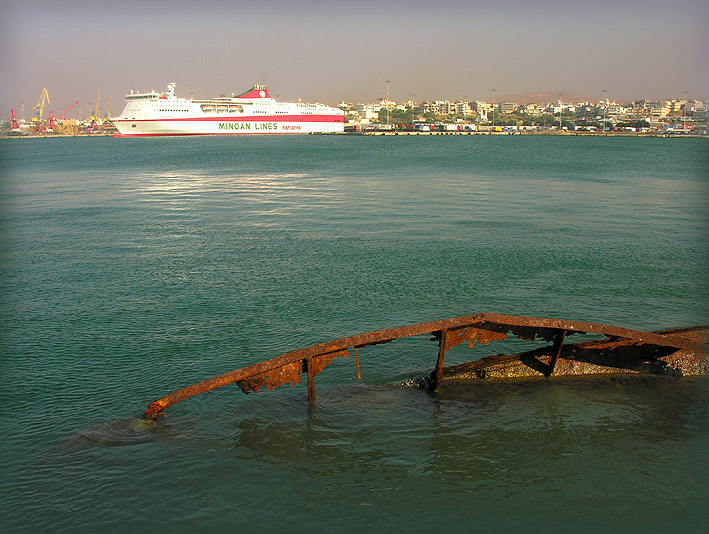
(396, 133)
(50, 136)
(560, 134)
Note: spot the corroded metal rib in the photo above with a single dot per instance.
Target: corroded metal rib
(481, 328)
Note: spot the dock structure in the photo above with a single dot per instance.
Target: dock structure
(678, 352)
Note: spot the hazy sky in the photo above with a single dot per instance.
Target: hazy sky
(330, 51)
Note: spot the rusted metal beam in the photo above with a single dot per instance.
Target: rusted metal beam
(438, 371)
(558, 345)
(311, 383)
(482, 327)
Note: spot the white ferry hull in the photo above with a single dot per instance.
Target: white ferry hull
(253, 112)
(222, 126)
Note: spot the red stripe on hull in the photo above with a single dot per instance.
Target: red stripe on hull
(224, 133)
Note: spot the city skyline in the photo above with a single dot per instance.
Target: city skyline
(333, 51)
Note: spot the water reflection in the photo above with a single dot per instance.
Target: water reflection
(476, 432)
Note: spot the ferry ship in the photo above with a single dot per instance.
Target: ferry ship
(252, 112)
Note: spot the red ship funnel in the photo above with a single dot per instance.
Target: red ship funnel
(257, 91)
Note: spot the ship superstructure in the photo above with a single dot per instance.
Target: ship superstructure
(252, 112)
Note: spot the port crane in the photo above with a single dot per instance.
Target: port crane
(60, 117)
(94, 120)
(67, 110)
(98, 100)
(12, 120)
(41, 102)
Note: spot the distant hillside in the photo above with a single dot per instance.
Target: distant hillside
(542, 97)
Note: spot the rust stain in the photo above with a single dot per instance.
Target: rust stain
(481, 328)
(273, 378)
(359, 371)
(320, 362)
(472, 334)
(287, 373)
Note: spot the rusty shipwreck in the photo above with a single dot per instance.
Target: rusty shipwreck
(678, 352)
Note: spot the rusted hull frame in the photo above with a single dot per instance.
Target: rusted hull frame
(599, 357)
(481, 328)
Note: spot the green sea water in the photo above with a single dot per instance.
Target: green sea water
(132, 267)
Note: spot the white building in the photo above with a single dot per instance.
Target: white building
(463, 108)
(444, 107)
(483, 109)
(368, 111)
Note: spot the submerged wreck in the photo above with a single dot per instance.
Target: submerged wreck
(675, 352)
